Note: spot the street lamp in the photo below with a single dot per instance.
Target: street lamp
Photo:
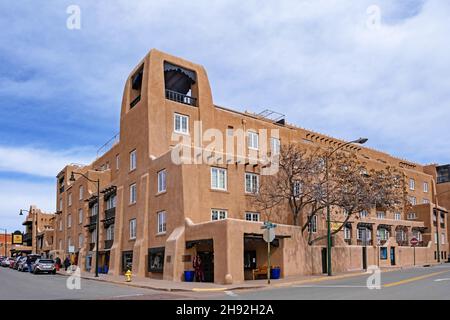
(6, 241)
(359, 141)
(72, 179)
(437, 224)
(32, 228)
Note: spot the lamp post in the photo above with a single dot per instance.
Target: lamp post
(33, 228)
(359, 141)
(437, 225)
(6, 241)
(72, 179)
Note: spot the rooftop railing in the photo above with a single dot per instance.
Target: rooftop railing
(181, 98)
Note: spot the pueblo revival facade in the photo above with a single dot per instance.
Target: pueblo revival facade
(159, 207)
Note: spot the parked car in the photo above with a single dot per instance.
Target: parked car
(22, 264)
(5, 262)
(11, 262)
(44, 265)
(16, 262)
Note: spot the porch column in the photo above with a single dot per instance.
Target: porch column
(115, 261)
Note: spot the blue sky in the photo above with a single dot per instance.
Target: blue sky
(317, 61)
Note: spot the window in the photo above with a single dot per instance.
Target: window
(347, 233)
(161, 222)
(133, 229)
(111, 202)
(69, 220)
(412, 200)
(411, 216)
(252, 216)
(181, 124)
(133, 193)
(94, 210)
(345, 211)
(417, 235)
(275, 145)
(69, 199)
(80, 193)
(442, 218)
(383, 253)
(252, 140)
(156, 259)
(363, 214)
(161, 181)
(60, 204)
(297, 188)
(133, 160)
(425, 187)
(435, 237)
(94, 236)
(383, 234)
(80, 240)
(312, 226)
(412, 184)
(110, 232)
(218, 179)
(442, 238)
(426, 201)
(361, 232)
(397, 216)
(251, 183)
(401, 236)
(117, 162)
(218, 214)
(60, 225)
(381, 215)
(80, 216)
(230, 131)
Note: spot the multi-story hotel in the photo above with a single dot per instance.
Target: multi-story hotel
(157, 213)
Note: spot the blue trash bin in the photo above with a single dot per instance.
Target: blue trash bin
(189, 276)
(105, 269)
(275, 273)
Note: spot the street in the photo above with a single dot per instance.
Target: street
(408, 284)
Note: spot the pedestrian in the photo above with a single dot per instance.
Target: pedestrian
(67, 263)
(58, 263)
(29, 264)
(198, 268)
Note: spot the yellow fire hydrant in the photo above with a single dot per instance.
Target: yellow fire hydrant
(128, 276)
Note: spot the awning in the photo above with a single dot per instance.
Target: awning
(368, 225)
(171, 67)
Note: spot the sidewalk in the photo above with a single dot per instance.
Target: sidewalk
(166, 285)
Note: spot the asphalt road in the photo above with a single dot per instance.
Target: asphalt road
(16, 285)
(409, 284)
(429, 283)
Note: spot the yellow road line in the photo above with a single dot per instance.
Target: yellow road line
(397, 283)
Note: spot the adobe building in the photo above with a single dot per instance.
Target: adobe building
(157, 212)
(39, 232)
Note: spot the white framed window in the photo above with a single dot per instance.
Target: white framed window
(117, 162)
(133, 160)
(110, 232)
(363, 214)
(345, 212)
(111, 202)
(80, 193)
(425, 201)
(60, 204)
(69, 220)
(397, 216)
(69, 199)
(218, 214)
(252, 216)
(161, 222)
(412, 184)
(253, 140)
(162, 181)
(442, 218)
(133, 195)
(94, 236)
(412, 200)
(417, 235)
(275, 146)
(60, 225)
(80, 240)
(133, 229)
(347, 233)
(181, 123)
(80, 216)
(442, 238)
(251, 183)
(361, 232)
(411, 216)
(218, 178)
(381, 215)
(297, 188)
(383, 234)
(312, 226)
(425, 187)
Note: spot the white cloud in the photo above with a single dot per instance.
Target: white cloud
(40, 162)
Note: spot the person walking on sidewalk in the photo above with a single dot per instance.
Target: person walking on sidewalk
(67, 263)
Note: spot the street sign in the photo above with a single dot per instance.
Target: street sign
(17, 237)
(269, 235)
(71, 249)
(414, 242)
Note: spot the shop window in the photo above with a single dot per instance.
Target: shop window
(156, 259)
(250, 260)
(383, 253)
(127, 260)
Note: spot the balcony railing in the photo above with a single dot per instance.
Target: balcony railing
(181, 98)
(93, 220)
(348, 241)
(108, 244)
(109, 217)
(403, 243)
